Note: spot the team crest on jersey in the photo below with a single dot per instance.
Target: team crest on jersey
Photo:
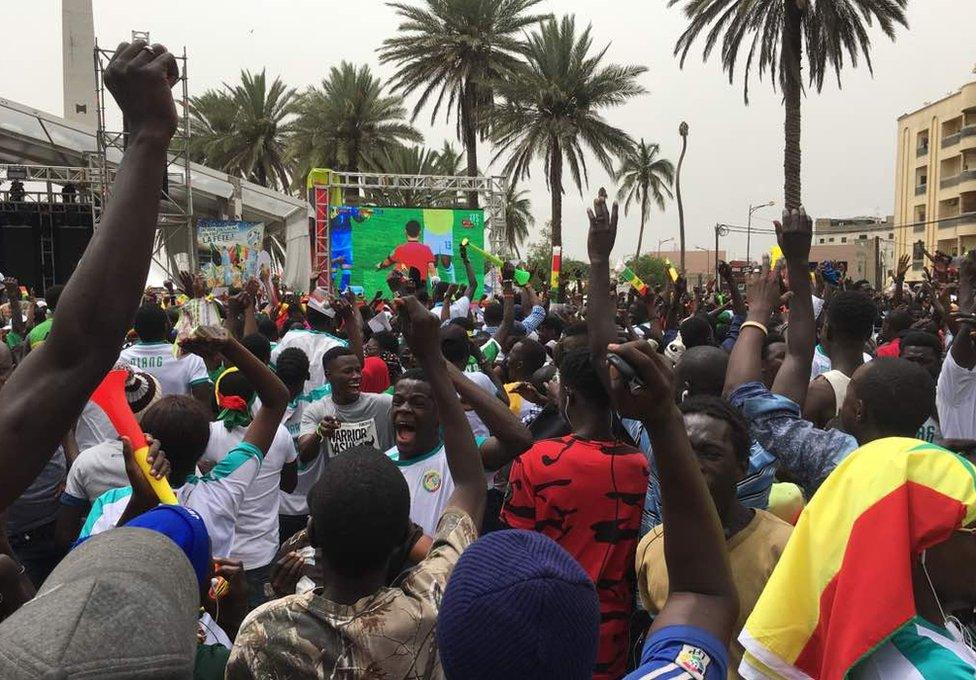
(432, 481)
(694, 660)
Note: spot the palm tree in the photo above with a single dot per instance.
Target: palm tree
(406, 160)
(552, 110)
(449, 161)
(242, 129)
(348, 123)
(643, 177)
(454, 50)
(775, 32)
(518, 217)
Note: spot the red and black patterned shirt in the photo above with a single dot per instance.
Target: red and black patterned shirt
(588, 497)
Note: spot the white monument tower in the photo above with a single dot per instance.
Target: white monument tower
(77, 55)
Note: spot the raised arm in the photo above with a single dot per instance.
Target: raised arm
(510, 437)
(963, 349)
(795, 234)
(472, 286)
(599, 311)
(899, 276)
(508, 313)
(422, 331)
(57, 374)
(17, 324)
(745, 361)
(701, 591)
(352, 323)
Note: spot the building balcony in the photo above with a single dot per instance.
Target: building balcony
(921, 189)
(922, 151)
(958, 220)
(956, 180)
(951, 140)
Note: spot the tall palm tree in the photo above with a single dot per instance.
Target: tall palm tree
(552, 110)
(643, 177)
(518, 216)
(776, 33)
(348, 122)
(242, 129)
(449, 161)
(454, 50)
(406, 160)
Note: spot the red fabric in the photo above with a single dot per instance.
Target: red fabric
(232, 402)
(588, 497)
(414, 254)
(376, 376)
(890, 349)
(876, 546)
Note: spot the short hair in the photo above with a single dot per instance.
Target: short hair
(292, 365)
(463, 321)
(259, 346)
(899, 319)
(441, 288)
(335, 353)
(851, 315)
(554, 323)
(578, 373)
(455, 349)
(387, 341)
(412, 374)
(150, 322)
(535, 353)
(493, 314)
(771, 339)
(181, 423)
(413, 228)
(360, 510)
(52, 295)
(696, 331)
(720, 409)
(705, 367)
(267, 327)
(898, 395)
(921, 339)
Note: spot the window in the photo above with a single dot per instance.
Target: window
(831, 239)
(862, 237)
(821, 240)
(843, 239)
(891, 236)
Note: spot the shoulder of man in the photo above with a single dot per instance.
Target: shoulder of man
(280, 625)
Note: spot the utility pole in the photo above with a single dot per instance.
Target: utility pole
(752, 209)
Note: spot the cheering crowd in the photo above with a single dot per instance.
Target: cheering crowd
(772, 482)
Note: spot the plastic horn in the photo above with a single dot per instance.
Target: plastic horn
(110, 396)
(521, 276)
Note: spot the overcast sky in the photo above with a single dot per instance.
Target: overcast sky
(735, 151)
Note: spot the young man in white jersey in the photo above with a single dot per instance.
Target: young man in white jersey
(153, 353)
(182, 425)
(314, 341)
(419, 446)
(256, 528)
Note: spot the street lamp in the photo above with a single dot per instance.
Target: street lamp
(708, 255)
(661, 242)
(752, 209)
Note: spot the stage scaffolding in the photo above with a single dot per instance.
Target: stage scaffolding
(175, 244)
(385, 189)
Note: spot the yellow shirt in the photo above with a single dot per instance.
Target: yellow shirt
(753, 554)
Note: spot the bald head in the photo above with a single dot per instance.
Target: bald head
(701, 371)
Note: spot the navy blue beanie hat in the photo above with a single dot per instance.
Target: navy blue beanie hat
(518, 606)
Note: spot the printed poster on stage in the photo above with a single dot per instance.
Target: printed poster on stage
(228, 251)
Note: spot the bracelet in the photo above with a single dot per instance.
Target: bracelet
(754, 324)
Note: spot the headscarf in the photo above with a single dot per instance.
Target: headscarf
(235, 411)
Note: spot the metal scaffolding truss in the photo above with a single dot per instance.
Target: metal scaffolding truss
(491, 191)
(175, 235)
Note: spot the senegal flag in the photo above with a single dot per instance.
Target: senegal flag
(843, 586)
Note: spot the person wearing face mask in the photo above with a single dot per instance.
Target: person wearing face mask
(586, 491)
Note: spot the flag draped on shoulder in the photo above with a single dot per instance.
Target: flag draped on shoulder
(843, 585)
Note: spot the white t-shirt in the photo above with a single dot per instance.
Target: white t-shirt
(256, 529)
(478, 428)
(315, 344)
(175, 376)
(95, 471)
(459, 308)
(296, 503)
(822, 364)
(93, 427)
(429, 480)
(215, 496)
(955, 397)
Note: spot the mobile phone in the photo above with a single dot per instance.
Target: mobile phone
(626, 370)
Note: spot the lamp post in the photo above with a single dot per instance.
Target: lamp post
(683, 132)
(752, 209)
(720, 230)
(661, 242)
(708, 255)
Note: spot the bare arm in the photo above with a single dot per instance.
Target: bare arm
(793, 378)
(599, 311)
(423, 334)
(701, 590)
(16, 318)
(510, 438)
(963, 349)
(57, 374)
(745, 361)
(472, 286)
(508, 314)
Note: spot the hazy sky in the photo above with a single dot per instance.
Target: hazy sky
(735, 151)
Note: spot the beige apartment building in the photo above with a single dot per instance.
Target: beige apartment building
(935, 179)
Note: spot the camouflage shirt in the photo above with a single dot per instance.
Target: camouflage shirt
(389, 635)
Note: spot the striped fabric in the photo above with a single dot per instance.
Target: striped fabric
(844, 584)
